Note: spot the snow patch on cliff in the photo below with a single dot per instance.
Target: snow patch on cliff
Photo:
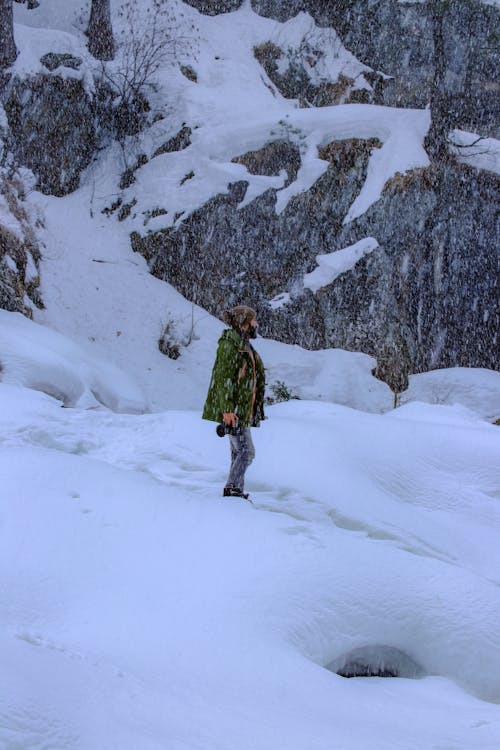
(475, 150)
(319, 50)
(331, 265)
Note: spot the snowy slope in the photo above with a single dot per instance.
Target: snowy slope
(476, 389)
(101, 294)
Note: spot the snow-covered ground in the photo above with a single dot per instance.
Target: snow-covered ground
(38, 357)
(142, 611)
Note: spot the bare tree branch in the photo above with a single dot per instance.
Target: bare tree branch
(144, 47)
(467, 145)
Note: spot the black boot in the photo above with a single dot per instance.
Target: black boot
(234, 492)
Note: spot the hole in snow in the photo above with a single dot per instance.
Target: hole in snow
(376, 661)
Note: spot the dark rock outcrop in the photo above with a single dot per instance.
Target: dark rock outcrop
(282, 10)
(56, 126)
(214, 7)
(376, 661)
(190, 73)
(54, 60)
(271, 159)
(53, 130)
(178, 142)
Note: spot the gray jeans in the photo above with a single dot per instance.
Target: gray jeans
(242, 455)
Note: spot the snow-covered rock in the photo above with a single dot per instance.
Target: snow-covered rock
(474, 388)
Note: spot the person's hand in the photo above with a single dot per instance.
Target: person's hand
(230, 418)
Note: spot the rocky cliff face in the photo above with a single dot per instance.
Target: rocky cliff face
(425, 298)
(56, 125)
(251, 252)
(401, 39)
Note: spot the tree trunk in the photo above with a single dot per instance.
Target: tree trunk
(101, 43)
(8, 51)
(437, 139)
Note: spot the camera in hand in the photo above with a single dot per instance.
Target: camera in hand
(223, 429)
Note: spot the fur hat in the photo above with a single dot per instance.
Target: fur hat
(238, 316)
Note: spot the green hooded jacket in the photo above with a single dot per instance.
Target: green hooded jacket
(237, 383)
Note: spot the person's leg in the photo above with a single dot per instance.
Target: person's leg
(242, 455)
(233, 469)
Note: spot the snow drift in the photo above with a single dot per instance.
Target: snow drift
(37, 357)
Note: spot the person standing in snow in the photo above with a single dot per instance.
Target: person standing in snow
(236, 392)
